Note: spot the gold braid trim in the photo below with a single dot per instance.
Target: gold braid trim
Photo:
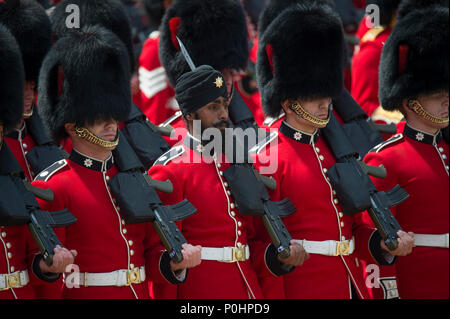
(84, 133)
(297, 108)
(419, 110)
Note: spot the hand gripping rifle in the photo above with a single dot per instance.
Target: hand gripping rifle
(356, 191)
(247, 186)
(135, 192)
(18, 206)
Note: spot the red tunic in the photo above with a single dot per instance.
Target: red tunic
(419, 163)
(100, 236)
(17, 251)
(20, 143)
(216, 224)
(365, 66)
(303, 161)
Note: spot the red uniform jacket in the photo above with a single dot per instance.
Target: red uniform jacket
(418, 162)
(20, 143)
(100, 236)
(303, 161)
(216, 224)
(365, 66)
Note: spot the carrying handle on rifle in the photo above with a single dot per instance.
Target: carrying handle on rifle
(165, 187)
(379, 172)
(44, 194)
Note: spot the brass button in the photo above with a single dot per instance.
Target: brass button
(124, 231)
(233, 214)
(239, 224)
(441, 149)
(13, 269)
(25, 145)
(239, 233)
(229, 193)
(226, 184)
(123, 221)
(9, 255)
(132, 252)
(131, 266)
(325, 170)
(232, 206)
(341, 215)
(336, 201)
(107, 178)
(342, 224)
(317, 150)
(8, 245)
(3, 234)
(130, 243)
(321, 157)
(218, 165)
(343, 238)
(221, 173)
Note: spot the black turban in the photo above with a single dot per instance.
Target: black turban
(198, 88)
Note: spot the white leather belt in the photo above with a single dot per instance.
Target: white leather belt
(17, 279)
(431, 240)
(118, 278)
(329, 247)
(226, 254)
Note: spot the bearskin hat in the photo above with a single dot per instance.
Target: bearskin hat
(387, 9)
(29, 24)
(11, 80)
(84, 77)
(213, 31)
(276, 7)
(110, 14)
(301, 62)
(415, 57)
(408, 6)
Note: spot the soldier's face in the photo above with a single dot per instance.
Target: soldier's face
(436, 104)
(214, 115)
(28, 98)
(104, 129)
(319, 108)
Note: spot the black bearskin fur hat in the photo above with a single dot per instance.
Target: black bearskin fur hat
(408, 6)
(84, 77)
(29, 24)
(301, 55)
(11, 80)
(213, 31)
(110, 14)
(415, 57)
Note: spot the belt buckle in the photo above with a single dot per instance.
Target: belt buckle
(342, 248)
(133, 276)
(239, 254)
(12, 281)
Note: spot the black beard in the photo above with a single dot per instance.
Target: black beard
(226, 124)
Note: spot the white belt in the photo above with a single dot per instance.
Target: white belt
(118, 278)
(226, 254)
(17, 279)
(329, 247)
(431, 240)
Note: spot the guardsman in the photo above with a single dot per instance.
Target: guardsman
(95, 95)
(28, 22)
(299, 70)
(414, 81)
(223, 44)
(20, 261)
(366, 61)
(197, 172)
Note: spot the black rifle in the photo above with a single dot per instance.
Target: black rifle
(356, 191)
(135, 192)
(45, 153)
(144, 137)
(18, 206)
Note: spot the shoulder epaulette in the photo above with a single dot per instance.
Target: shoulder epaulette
(47, 173)
(261, 145)
(390, 141)
(372, 34)
(169, 156)
(269, 121)
(170, 119)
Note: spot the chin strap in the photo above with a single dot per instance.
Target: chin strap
(29, 113)
(299, 110)
(85, 134)
(417, 108)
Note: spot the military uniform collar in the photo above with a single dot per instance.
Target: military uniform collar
(91, 163)
(421, 136)
(18, 133)
(194, 144)
(298, 135)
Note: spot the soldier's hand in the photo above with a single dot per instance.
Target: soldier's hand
(297, 257)
(405, 244)
(192, 257)
(62, 258)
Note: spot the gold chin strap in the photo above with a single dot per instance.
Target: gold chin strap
(297, 108)
(84, 133)
(28, 113)
(419, 110)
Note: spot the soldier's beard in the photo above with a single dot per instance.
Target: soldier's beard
(221, 127)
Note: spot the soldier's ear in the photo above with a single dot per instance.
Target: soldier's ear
(286, 105)
(70, 128)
